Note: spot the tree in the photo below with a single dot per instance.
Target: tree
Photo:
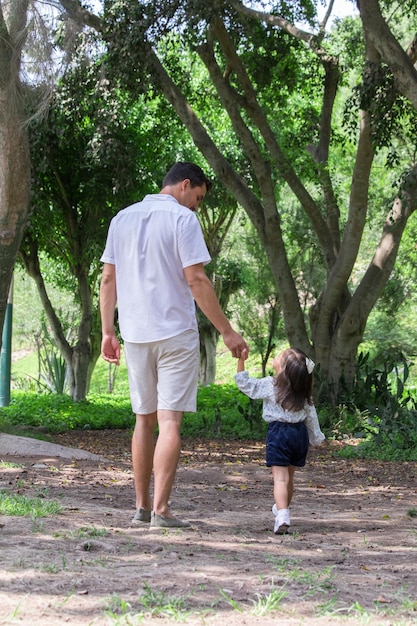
(216, 217)
(261, 65)
(84, 171)
(22, 28)
(264, 69)
(14, 146)
(92, 154)
(256, 304)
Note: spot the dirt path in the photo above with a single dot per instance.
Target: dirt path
(351, 557)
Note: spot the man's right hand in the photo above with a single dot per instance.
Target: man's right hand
(235, 343)
(110, 349)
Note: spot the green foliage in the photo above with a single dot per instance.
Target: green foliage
(373, 382)
(55, 372)
(223, 412)
(252, 413)
(381, 451)
(87, 163)
(220, 409)
(15, 504)
(378, 409)
(342, 421)
(58, 413)
(29, 315)
(255, 307)
(53, 368)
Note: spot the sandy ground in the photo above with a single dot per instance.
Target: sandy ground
(350, 558)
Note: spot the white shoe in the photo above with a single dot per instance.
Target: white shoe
(282, 520)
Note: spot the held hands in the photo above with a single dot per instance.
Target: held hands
(241, 362)
(235, 343)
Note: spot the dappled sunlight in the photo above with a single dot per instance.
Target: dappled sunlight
(351, 541)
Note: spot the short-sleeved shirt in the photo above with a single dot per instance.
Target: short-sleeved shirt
(150, 243)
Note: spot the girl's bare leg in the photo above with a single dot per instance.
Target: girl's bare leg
(291, 471)
(282, 486)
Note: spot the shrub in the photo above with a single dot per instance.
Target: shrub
(58, 413)
(222, 412)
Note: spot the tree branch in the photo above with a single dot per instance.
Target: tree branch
(274, 20)
(294, 321)
(285, 168)
(311, 39)
(390, 50)
(30, 258)
(382, 264)
(82, 16)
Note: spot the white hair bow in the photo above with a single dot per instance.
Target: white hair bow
(310, 365)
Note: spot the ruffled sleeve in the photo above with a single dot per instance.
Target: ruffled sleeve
(255, 388)
(315, 435)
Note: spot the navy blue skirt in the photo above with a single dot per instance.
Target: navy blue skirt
(286, 444)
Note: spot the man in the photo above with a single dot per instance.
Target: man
(154, 269)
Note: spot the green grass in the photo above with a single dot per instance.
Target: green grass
(20, 505)
(383, 449)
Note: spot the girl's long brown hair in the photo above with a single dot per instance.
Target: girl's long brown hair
(294, 385)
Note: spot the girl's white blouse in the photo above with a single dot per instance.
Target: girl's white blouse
(264, 389)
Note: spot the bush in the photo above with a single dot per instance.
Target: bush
(223, 412)
(382, 451)
(58, 413)
(377, 407)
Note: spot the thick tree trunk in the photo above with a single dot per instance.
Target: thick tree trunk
(208, 343)
(337, 353)
(14, 195)
(389, 49)
(14, 147)
(80, 372)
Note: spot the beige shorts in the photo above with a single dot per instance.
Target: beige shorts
(163, 374)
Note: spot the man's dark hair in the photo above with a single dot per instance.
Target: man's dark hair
(182, 170)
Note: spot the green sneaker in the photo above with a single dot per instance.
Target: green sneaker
(142, 515)
(159, 521)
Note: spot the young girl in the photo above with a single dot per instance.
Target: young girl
(292, 421)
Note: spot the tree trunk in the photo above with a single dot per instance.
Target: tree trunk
(208, 343)
(80, 372)
(79, 358)
(14, 147)
(337, 353)
(389, 49)
(265, 219)
(14, 197)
